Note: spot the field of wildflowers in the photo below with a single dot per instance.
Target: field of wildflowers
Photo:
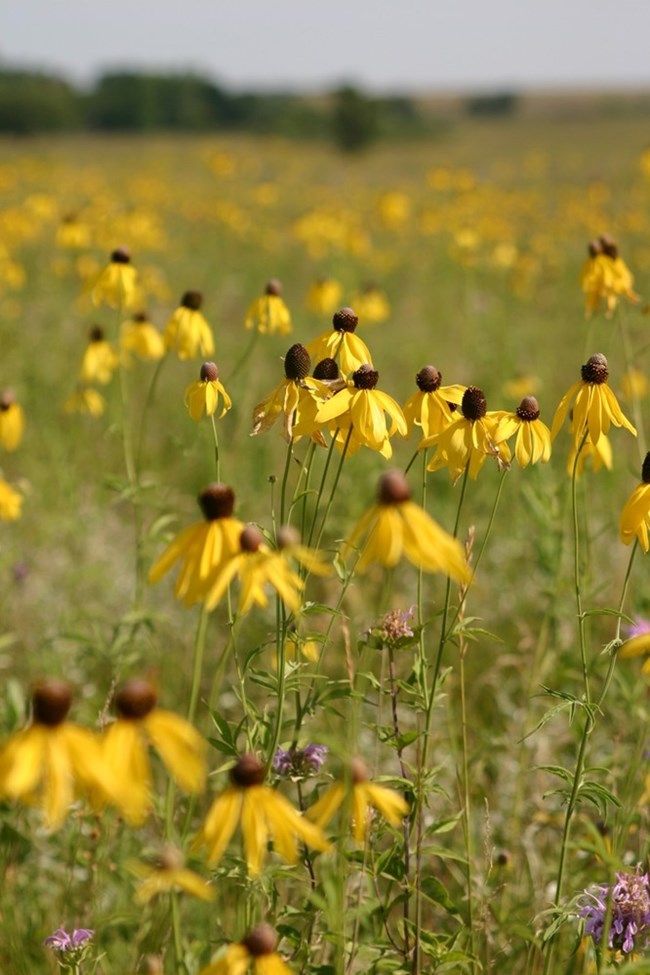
(378, 701)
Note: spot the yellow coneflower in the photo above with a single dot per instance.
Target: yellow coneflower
(263, 815)
(85, 400)
(187, 332)
(202, 397)
(268, 313)
(324, 296)
(284, 399)
(429, 407)
(72, 232)
(342, 343)
(125, 743)
(396, 527)
(635, 517)
(317, 388)
(363, 407)
(638, 645)
(117, 284)
(166, 873)
(606, 277)
(364, 795)
(140, 336)
(290, 547)
(53, 761)
(371, 304)
(11, 501)
(99, 360)
(533, 441)
(202, 547)
(257, 949)
(12, 421)
(469, 439)
(595, 406)
(257, 566)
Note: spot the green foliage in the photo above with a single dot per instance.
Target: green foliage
(354, 119)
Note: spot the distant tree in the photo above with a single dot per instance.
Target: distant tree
(34, 102)
(354, 119)
(495, 103)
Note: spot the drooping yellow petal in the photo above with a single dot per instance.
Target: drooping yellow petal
(180, 746)
(254, 810)
(220, 824)
(325, 808)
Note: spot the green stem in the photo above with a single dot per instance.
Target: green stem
(216, 446)
(145, 411)
(244, 356)
(281, 646)
(199, 650)
(285, 478)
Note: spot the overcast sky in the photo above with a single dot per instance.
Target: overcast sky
(419, 45)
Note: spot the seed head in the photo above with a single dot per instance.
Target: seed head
(428, 379)
(474, 405)
(250, 539)
(608, 246)
(96, 334)
(247, 771)
(528, 409)
(209, 372)
(192, 300)
(140, 317)
(136, 699)
(595, 369)
(645, 470)
(297, 362)
(51, 700)
(288, 536)
(326, 369)
(345, 320)
(262, 940)
(273, 287)
(358, 771)
(217, 501)
(393, 488)
(594, 248)
(170, 859)
(365, 377)
(120, 256)
(7, 399)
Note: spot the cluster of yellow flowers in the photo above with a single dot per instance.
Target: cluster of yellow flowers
(12, 425)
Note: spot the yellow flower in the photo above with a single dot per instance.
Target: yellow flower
(117, 284)
(429, 407)
(202, 397)
(595, 407)
(263, 814)
(52, 762)
(256, 949)
(315, 389)
(99, 360)
(72, 233)
(634, 384)
(125, 744)
(167, 873)
(371, 304)
(635, 517)
(12, 421)
(140, 336)
(257, 566)
(324, 296)
(360, 406)
(636, 646)
(284, 399)
(310, 559)
(363, 796)
(268, 313)
(533, 441)
(395, 527)
(599, 454)
(10, 501)
(606, 277)
(85, 400)
(203, 547)
(187, 332)
(341, 342)
(469, 439)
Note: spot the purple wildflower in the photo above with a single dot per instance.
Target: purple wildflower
(300, 763)
(393, 629)
(629, 897)
(639, 628)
